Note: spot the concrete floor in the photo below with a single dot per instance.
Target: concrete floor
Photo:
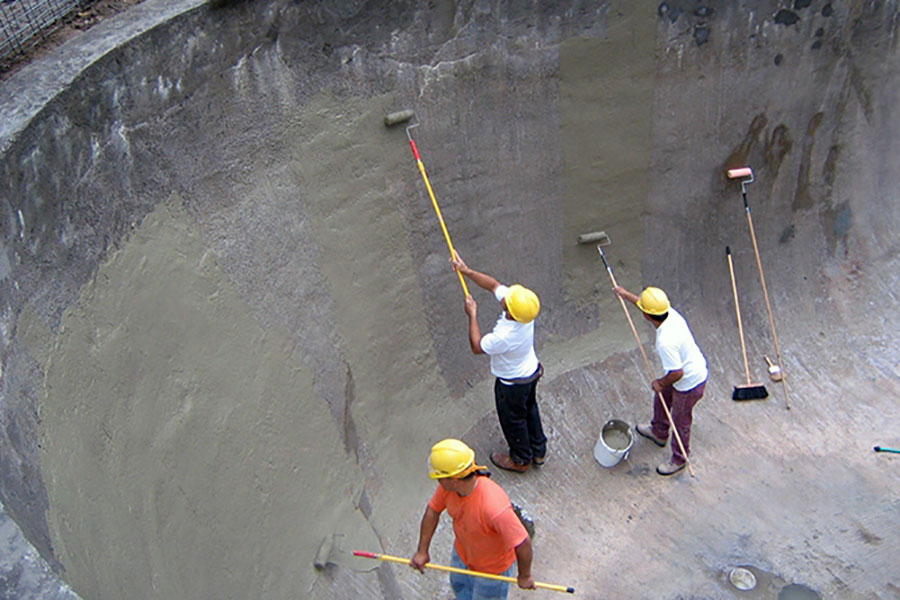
(230, 331)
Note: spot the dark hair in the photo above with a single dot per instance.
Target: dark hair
(478, 473)
(658, 318)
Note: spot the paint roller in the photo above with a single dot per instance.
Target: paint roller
(595, 237)
(331, 553)
(402, 116)
(323, 554)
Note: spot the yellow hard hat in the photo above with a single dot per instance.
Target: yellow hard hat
(451, 458)
(653, 301)
(523, 304)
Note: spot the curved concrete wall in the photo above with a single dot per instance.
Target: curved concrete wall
(230, 330)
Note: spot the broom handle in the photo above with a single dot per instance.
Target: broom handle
(437, 210)
(737, 310)
(762, 279)
(640, 346)
(405, 561)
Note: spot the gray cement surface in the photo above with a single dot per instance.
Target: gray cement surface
(230, 331)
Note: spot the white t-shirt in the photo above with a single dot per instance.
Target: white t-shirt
(510, 345)
(677, 349)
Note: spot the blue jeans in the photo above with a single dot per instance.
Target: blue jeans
(468, 587)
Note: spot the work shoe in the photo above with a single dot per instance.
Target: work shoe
(539, 461)
(503, 461)
(647, 432)
(669, 468)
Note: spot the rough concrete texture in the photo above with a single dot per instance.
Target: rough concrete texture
(24, 574)
(229, 328)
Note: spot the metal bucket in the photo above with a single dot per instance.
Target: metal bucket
(614, 443)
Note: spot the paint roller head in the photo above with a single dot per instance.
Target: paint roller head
(323, 554)
(599, 237)
(401, 116)
(740, 172)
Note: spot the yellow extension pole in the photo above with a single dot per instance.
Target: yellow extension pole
(405, 561)
(437, 210)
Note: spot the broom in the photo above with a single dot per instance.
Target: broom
(747, 391)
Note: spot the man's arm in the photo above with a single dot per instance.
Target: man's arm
(474, 329)
(524, 556)
(625, 294)
(668, 379)
(426, 531)
(482, 280)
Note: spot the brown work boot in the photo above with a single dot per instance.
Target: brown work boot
(503, 461)
(669, 468)
(647, 432)
(539, 461)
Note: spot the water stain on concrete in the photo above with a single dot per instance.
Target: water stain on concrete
(740, 155)
(838, 222)
(777, 147)
(798, 591)
(803, 198)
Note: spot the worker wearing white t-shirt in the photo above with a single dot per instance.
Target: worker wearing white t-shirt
(515, 365)
(685, 380)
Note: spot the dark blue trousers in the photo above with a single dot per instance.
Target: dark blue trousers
(520, 420)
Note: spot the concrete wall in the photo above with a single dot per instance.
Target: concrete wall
(230, 330)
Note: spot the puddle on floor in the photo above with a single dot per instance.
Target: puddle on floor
(798, 591)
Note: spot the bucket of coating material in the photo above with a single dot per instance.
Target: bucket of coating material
(614, 443)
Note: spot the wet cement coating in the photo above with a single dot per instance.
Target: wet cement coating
(230, 330)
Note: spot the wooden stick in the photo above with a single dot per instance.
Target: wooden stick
(737, 309)
(762, 279)
(640, 346)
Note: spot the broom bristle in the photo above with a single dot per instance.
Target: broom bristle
(751, 391)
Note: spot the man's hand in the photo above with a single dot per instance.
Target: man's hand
(471, 307)
(625, 294)
(418, 561)
(526, 582)
(458, 264)
(657, 386)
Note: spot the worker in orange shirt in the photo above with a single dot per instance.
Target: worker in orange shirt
(489, 535)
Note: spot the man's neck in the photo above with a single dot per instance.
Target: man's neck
(468, 487)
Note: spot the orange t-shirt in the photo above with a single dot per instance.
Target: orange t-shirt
(487, 529)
